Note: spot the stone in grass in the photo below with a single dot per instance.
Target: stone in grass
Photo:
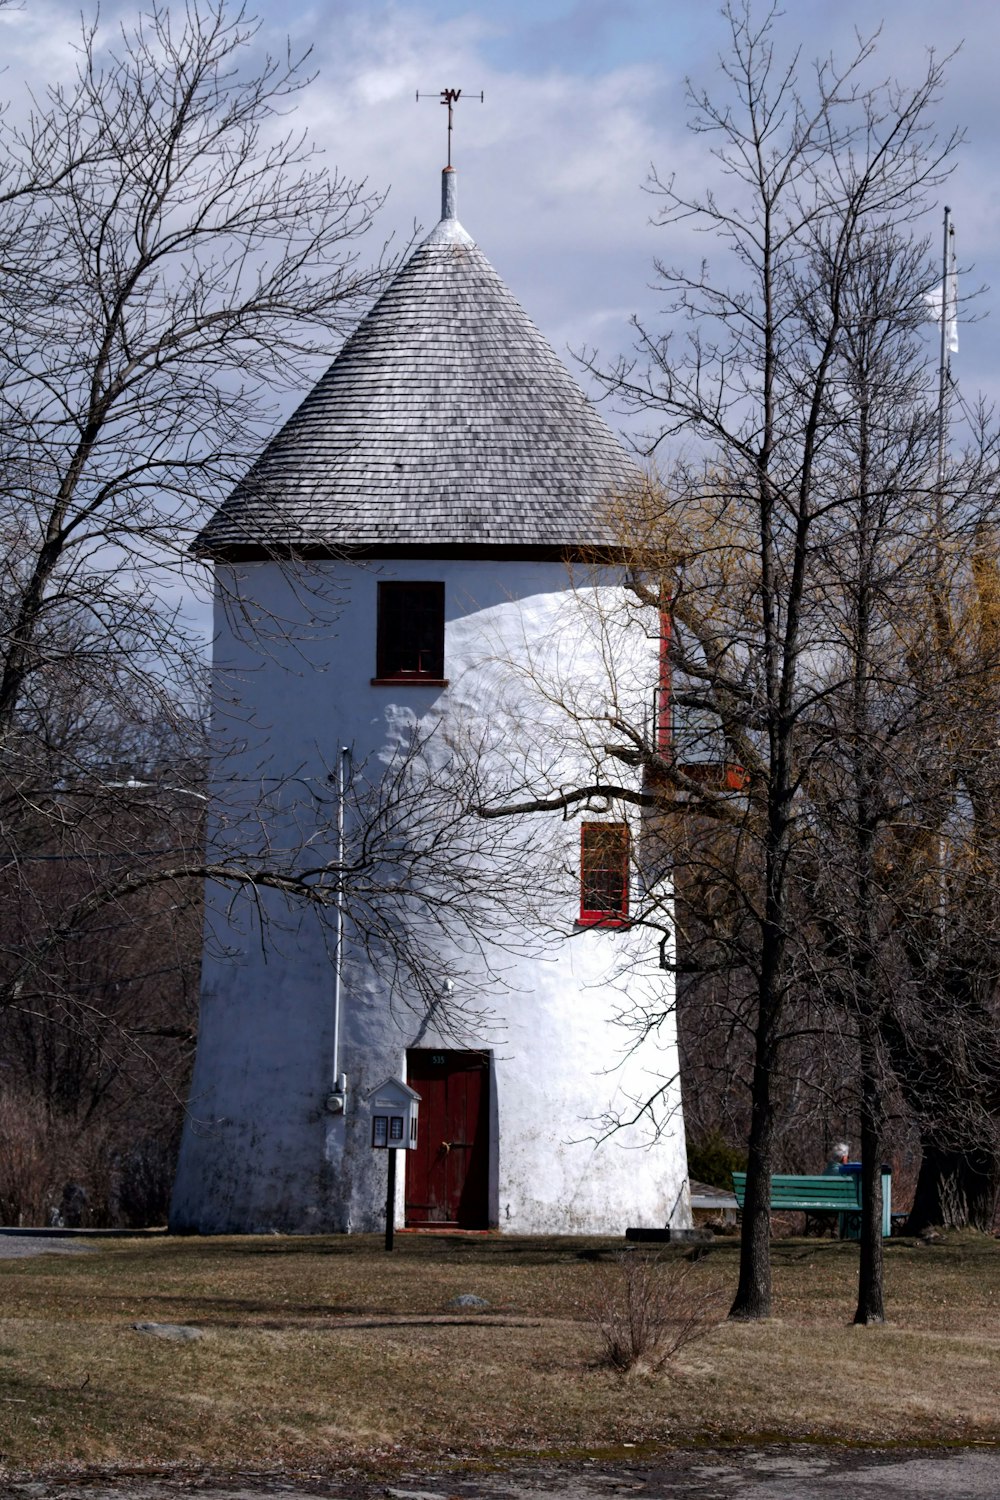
(468, 1302)
(177, 1333)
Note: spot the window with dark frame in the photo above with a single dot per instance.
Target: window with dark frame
(604, 861)
(410, 639)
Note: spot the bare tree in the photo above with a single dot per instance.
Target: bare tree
(879, 741)
(96, 1048)
(818, 175)
(175, 257)
(799, 388)
(942, 867)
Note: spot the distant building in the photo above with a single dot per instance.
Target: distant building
(436, 481)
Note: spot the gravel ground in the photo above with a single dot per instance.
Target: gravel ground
(15, 1247)
(775, 1472)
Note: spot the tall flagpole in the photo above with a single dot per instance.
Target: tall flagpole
(943, 370)
(943, 378)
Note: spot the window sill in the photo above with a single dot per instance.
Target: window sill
(412, 680)
(616, 923)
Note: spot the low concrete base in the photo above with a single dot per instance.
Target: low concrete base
(670, 1236)
(18, 1231)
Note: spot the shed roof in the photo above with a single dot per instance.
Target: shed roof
(446, 423)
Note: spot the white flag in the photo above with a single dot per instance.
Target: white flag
(933, 300)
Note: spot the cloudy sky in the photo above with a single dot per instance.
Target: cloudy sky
(581, 97)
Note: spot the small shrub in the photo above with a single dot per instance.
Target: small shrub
(146, 1175)
(645, 1310)
(28, 1180)
(713, 1160)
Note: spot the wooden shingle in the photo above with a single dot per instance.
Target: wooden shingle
(446, 422)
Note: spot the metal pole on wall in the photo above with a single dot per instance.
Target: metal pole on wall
(338, 1100)
(390, 1200)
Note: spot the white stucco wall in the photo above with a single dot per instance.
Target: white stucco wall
(529, 661)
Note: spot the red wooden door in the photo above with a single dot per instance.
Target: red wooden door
(447, 1176)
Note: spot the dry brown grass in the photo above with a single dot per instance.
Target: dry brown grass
(325, 1351)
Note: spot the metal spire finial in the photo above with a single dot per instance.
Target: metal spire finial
(450, 97)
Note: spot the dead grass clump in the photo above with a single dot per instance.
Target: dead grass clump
(646, 1311)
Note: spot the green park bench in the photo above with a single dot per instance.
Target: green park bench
(824, 1193)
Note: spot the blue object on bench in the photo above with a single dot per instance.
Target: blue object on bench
(852, 1230)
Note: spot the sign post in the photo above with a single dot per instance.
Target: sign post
(390, 1201)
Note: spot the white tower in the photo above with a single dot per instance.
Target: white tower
(394, 572)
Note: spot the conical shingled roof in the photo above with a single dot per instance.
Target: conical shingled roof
(446, 423)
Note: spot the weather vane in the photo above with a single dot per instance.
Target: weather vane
(450, 97)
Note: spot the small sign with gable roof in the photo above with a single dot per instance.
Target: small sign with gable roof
(394, 1107)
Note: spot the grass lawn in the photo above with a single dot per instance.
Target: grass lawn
(324, 1352)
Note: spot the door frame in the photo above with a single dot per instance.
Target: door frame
(492, 1141)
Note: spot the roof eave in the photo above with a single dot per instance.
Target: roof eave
(598, 551)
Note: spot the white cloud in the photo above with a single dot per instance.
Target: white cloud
(552, 164)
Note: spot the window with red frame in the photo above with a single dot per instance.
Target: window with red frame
(410, 639)
(604, 874)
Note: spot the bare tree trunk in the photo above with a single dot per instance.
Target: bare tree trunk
(871, 1300)
(866, 979)
(956, 1189)
(753, 1293)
